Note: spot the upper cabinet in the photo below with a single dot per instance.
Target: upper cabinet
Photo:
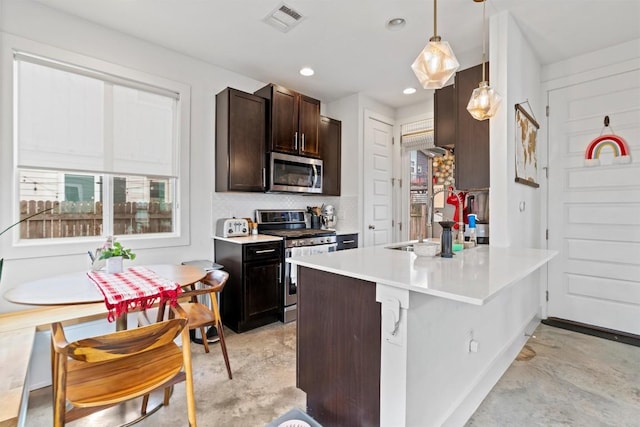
(444, 117)
(240, 141)
(330, 151)
(292, 121)
(470, 137)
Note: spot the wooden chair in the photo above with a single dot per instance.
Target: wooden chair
(95, 373)
(199, 315)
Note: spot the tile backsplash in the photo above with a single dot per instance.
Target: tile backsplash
(243, 205)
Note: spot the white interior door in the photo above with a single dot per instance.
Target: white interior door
(594, 211)
(378, 168)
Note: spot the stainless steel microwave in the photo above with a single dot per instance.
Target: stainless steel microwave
(295, 174)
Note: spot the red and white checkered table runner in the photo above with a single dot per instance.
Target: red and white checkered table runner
(135, 288)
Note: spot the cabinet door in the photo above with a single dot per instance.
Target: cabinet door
(330, 153)
(240, 141)
(284, 120)
(472, 139)
(444, 117)
(308, 122)
(261, 289)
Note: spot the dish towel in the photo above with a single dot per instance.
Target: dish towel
(135, 288)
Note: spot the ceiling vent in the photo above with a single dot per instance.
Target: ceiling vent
(283, 17)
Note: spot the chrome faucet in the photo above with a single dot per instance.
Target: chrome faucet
(445, 190)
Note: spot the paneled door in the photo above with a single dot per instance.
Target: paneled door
(378, 168)
(594, 211)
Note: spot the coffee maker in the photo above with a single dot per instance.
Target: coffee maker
(478, 203)
(328, 216)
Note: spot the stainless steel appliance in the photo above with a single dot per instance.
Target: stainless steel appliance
(298, 241)
(478, 203)
(295, 174)
(232, 227)
(329, 217)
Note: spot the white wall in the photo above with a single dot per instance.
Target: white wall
(515, 74)
(33, 21)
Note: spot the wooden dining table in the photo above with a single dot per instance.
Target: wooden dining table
(77, 288)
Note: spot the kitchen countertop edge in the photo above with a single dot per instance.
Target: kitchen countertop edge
(473, 276)
(253, 238)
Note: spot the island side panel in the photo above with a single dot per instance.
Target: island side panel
(338, 349)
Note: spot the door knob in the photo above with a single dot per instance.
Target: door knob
(372, 227)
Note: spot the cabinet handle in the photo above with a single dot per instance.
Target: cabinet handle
(346, 242)
(295, 141)
(264, 177)
(303, 142)
(265, 251)
(279, 274)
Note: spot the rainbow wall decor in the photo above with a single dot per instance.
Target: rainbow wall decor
(604, 144)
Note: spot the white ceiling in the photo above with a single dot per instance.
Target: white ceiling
(346, 41)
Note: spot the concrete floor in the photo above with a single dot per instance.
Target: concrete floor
(563, 379)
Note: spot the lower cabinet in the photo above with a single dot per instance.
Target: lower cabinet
(347, 241)
(252, 295)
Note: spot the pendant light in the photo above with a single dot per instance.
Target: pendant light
(484, 100)
(435, 65)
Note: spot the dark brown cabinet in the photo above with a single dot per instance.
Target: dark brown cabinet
(472, 137)
(347, 241)
(240, 141)
(330, 153)
(252, 295)
(292, 121)
(455, 127)
(444, 117)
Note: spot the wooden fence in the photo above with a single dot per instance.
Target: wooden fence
(75, 219)
(418, 221)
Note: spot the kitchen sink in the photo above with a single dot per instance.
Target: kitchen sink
(406, 248)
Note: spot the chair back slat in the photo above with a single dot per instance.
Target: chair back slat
(125, 343)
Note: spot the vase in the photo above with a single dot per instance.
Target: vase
(114, 265)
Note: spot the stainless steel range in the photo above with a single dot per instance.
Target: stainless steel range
(298, 240)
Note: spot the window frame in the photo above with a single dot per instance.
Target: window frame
(11, 245)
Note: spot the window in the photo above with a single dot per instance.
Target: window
(100, 151)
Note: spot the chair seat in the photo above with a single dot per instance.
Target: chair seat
(106, 383)
(197, 314)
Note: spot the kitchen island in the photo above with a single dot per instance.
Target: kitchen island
(388, 338)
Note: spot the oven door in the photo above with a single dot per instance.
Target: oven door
(291, 271)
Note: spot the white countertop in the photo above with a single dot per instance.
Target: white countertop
(341, 231)
(473, 275)
(252, 238)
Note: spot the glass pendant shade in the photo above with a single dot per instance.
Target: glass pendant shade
(435, 65)
(484, 102)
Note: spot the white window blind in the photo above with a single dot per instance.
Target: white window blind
(72, 118)
(417, 135)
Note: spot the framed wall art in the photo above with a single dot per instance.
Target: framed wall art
(526, 146)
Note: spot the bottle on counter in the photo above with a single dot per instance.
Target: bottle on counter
(472, 229)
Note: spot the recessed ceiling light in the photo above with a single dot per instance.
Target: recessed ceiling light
(307, 71)
(395, 24)
(409, 91)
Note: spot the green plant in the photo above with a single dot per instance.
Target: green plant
(116, 249)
